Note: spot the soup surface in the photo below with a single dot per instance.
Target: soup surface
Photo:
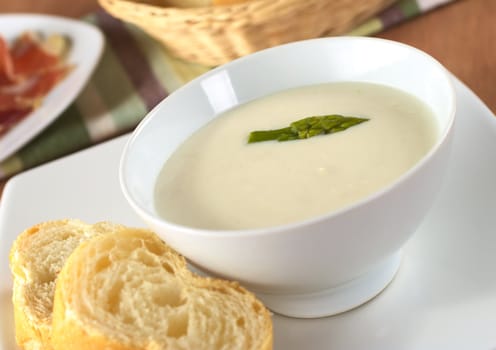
(216, 180)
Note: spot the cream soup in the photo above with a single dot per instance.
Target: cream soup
(216, 180)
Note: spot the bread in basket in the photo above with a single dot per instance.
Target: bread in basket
(211, 33)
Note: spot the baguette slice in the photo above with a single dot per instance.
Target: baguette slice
(129, 290)
(36, 257)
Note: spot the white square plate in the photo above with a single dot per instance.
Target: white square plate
(444, 296)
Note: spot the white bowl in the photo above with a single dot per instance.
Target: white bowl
(316, 267)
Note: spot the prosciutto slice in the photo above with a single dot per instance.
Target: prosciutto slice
(6, 66)
(30, 58)
(28, 72)
(9, 118)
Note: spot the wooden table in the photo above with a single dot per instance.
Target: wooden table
(461, 35)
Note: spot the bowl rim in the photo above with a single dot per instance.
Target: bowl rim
(232, 233)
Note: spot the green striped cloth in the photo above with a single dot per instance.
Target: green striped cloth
(134, 74)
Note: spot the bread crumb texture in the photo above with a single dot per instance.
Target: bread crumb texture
(129, 290)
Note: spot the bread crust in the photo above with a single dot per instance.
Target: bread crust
(69, 333)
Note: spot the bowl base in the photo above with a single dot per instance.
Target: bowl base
(337, 299)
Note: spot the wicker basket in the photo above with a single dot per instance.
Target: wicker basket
(214, 35)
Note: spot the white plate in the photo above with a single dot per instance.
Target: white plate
(86, 48)
(444, 296)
